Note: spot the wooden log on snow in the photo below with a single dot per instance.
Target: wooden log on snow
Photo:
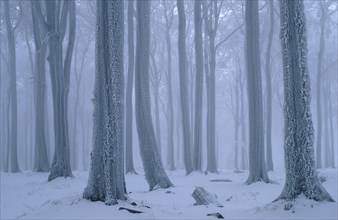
(204, 197)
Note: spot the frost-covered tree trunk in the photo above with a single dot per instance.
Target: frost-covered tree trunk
(55, 24)
(106, 179)
(269, 162)
(129, 91)
(41, 162)
(153, 167)
(257, 167)
(301, 174)
(197, 161)
(170, 132)
(14, 166)
(183, 87)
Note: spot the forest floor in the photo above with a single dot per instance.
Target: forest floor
(28, 195)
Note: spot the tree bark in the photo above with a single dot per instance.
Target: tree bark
(56, 25)
(153, 167)
(170, 132)
(257, 168)
(129, 92)
(319, 89)
(14, 166)
(269, 161)
(106, 179)
(41, 162)
(183, 87)
(198, 87)
(301, 174)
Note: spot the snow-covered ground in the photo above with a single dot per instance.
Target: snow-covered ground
(29, 195)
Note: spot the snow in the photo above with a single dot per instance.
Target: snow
(29, 195)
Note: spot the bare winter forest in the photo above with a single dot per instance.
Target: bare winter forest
(168, 109)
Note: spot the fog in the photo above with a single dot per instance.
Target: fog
(231, 102)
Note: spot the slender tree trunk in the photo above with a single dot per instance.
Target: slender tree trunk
(8, 132)
(332, 155)
(153, 167)
(244, 154)
(129, 92)
(257, 166)
(301, 174)
(319, 89)
(156, 85)
(183, 87)
(170, 132)
(198, 87)
(41, 162)
(237, 123)
(327, 147)
(269, 161)
(14, 167)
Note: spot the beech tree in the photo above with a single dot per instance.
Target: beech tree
(257, 167)
(152, 164)
(11, 26)
(301, 174)
(183, 87)
(129, 91)
(56, 25)
(197, 160)
(41, 162)
(106, 179)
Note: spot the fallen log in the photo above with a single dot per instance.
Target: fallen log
(130, 210)
(204, 197)
(217, 215)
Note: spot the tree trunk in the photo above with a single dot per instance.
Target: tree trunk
(257, 169)
(153, 167)
(60, 72)
(237, 122)
(332, 155)
(244, 154)
(198, 87)
(170, 132)
(129, 92)
(183, 87)
(269, 162)
(41, 162)
(156, 84)
(327, 147)
(106, 180)
(301, 174)
(14, 167)
(319, 89)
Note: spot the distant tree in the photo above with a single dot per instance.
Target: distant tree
(197, 160)
(301, 174)
(11, 26)
(41, 162)
(170, 144)
(106, 179)
(257, 167)
(153, 167)
(269, 161)
(55, 24)
(129, 90)
(183, 86)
